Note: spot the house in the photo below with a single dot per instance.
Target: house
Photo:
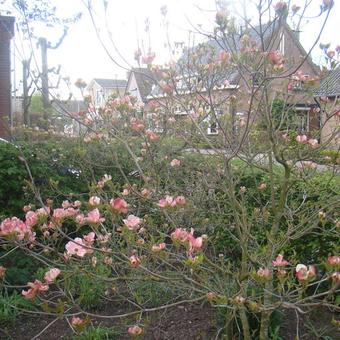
(101, 89)
(66, 110)
(6, 34)
(229, 87)
(140, 83)
(328, 97)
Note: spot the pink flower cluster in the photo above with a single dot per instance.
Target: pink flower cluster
(185, 237)
(17, 228)
(80, 247)
(59, 214)
(93, 217)
(304, 274)
(37, 286)
(151, 135)
(170, 201)
(158, 247)
(103, 180)
(119, 205)
(275, 58)
(303, 139)
(132, 222)
(136, 124)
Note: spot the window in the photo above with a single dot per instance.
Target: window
(212, 129)
(298, 84)
(282, 44)
(180, 110)
(301, 119)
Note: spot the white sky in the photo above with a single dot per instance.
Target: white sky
(82, 56)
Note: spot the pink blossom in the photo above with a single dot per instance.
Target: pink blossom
(125, 192)
(224, 56)
(66, 204)
(151, 135)
(301, 139)
(93, 217)
(180, 200)
(80, 219)
(308, 165)
(262, 186)
(336, 277)
(76, 204)
(195, 243)
(305, 274)
(51, 275)
(135, 330)
(175, 162)
(264, 273)
(243, 190)
(333, 260)
(280, 262)
(166, 87)
(94, 200)
(145, 192)
(27, 208)
(31, 218)
(15, 226)
(330, 54)
(103, 238)
(313, 143)
(285, 137)
(179, 234)
(2, 271)
(60, 214)
(76, 247)
(281, 273)
(76, 321)
(132, 222)
(158, 247)
(89, 238)
(148, 58)
(119, 205)
(166, 202)
(35, 287)
(275, 57)
(136, 125)
(134, 261)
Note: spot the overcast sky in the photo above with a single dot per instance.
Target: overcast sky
(82, 56)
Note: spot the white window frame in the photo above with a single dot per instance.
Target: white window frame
(210, 131)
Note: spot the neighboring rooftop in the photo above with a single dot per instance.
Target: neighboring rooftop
(330, 86)
(145, 79)
(110, 83)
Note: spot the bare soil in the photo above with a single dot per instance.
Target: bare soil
(195, 322)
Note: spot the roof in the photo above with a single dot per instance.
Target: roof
(70, 106)
(330, 86)
(145, 80)
(110, 83)
(268, 32)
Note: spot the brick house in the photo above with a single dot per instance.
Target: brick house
(328, 94)
(6, 34)
(277, 36)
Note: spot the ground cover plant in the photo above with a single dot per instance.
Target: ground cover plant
(149, 210)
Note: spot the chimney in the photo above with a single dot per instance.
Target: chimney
(6, 34)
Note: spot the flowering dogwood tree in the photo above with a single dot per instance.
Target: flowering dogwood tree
(192, 150)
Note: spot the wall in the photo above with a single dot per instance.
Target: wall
(6, 34)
